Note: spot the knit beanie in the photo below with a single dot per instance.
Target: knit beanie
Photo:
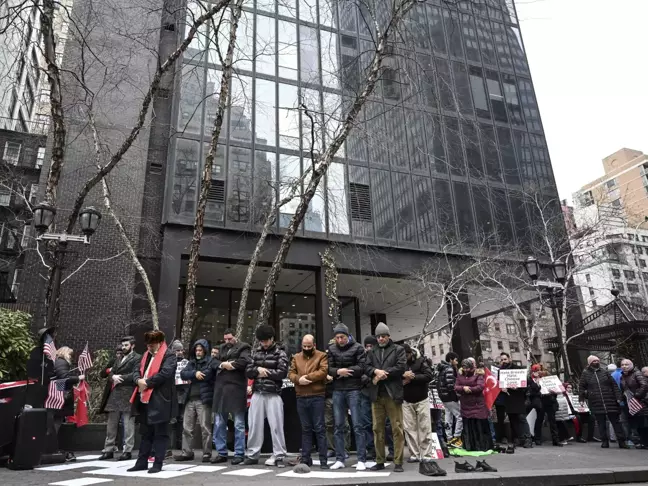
(340, 329)
(370, 340)
(382, 329)
(591, 358)
(176, 346)
(265, 332)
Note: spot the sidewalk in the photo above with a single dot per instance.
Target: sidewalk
(576, 464)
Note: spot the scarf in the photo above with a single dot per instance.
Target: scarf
(153, 369)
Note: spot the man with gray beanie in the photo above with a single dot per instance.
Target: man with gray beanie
(181, 390)
(346, 364)
(386, 365)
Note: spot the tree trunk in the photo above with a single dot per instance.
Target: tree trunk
(189, 313)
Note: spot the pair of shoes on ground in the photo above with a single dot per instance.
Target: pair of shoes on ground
(156, 468)
(431, 468)
(126, 456)
(481, 466)
(361, 466)
(455, 442)
(308, 462)
(504, 448)
(380, 467)
(218, 459)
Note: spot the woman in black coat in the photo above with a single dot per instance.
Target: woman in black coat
(544, 405)
(635, 385)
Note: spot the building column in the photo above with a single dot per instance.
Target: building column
(168, 292)
(323, 326)
(465, 338)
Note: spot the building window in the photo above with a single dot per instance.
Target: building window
(616, 273)
(514, 346)
(645, 275)
(28, 98)
(629, 274)
(360, 202)
(433, 350)
(642, 263)
(510, 328)
(644, 239)
(486, 346)
(40, 157)
(586, 199)
(594, 304)
(633, 288)
(616, 203)
(216, 191)
(591, 292)
(631, 237)
(611, 183)
(35, 66)
(5, 196)
(619, 286)
(497, 328)
(500, 346)
(588, 277)
(11, 153)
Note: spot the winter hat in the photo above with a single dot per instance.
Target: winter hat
(611, 367)
(382, 329)
(536, 367)
(592, 358)
(177, 346)
(264, 332)
(340, 329)
(370, 340)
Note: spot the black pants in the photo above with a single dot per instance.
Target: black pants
(541, 412)
(155, 437)
(614, 420)
(519, 425)
(176, 429)
(585, 419)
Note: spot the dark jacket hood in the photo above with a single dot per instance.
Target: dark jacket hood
(204, 344)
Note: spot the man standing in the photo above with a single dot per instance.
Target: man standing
(445, 386)
(154, 400)
(513, 404)
(268, 368)
(365, 404)
(346, 363)
(417, 422)
(603, 397)
(308, 371)
(181, 394)
(198, 399)
(116, 400)
(386, 365)
(230, 396)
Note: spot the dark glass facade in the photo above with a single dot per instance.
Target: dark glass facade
(444, 153)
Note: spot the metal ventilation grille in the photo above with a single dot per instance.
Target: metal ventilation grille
(360, 202)
(216, 191)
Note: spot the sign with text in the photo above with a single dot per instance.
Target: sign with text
(512, 379)
(435, 445)
(551, 384)
(435, 401)
(576, 404)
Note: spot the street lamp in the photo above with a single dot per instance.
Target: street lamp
(43, 215)
(532, 267)
(559, 270)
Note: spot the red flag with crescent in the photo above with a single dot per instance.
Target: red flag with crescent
(491, 390)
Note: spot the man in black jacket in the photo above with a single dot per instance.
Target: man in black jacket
(197, 402)
(603, 398)
(417, 422)
(268, 368)
(116, 400)
(512, 402)
(445, 386)
(154, 400)
(346, 364)
(386, 365)
(230, 396)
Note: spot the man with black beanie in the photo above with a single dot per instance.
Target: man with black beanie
(365, 404)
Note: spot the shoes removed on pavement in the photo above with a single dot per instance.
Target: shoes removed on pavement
(464, 468)
(377, 467)
(206, 457)
(218, 459)
(431, 468)
(183, 457)
(482, 466)
(250, 462)
(398, 468)
(106, 455)
(338, 465)
(361, 466)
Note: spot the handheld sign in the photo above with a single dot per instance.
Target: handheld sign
(576, 405)
(512, 378)
(549, 384)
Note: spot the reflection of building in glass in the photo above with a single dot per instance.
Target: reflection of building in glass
(292, 327)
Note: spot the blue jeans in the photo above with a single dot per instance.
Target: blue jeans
(344, 400)
(220, 433)
(367, 423)
(311, 416)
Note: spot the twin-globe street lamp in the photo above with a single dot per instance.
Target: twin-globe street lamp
(43, 216)
(551, 295)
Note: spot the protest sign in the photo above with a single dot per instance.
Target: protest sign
(549, 384)
(437, 452)
(435, 401)
(576, 404)
(512, 379)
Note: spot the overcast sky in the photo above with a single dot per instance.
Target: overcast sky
(589, 62)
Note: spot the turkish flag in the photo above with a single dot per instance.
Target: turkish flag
(491, 390)
(81, 397)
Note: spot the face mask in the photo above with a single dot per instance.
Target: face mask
(595, 365)
(308, 352)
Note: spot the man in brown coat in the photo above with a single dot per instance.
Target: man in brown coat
(308, 371)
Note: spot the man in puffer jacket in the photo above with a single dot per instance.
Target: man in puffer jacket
(268, 368)
(603, 398)
(445, 386)
(197, 400)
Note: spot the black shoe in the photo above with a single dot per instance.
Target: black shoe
(580, 440)
(324, 465)
(399, 468)
(482, 466)
(138, 467)
(168, 454)
(623, 445)
(206, 457)
(250, 462)
(217, 459)
(538, 442)
(70, 457)
(431, 468)
(605, 444)
(126, 456)
(235, 460)
(413, 459)
(556, 443)
(279, 462)
(510, 449)
(527, 444)
(183, 457)
(390, 457)
(157, 467)
(106, 455)
(464, 468)
(377, 467)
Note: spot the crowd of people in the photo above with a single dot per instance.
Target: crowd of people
(379, 390)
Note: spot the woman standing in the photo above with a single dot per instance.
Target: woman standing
(635, 385)
(470, 389)
(544, 405)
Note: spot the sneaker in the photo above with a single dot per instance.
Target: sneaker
(377, 467)
(580, 440)
(206, 457)
(237, 460)
(557, 444)
(464, 468)
(271, 461)
(398, 468)
(482, 466)
(412, 459)
(248, 461)
(183, 457)
(431, 468)
(323, 465)
(279, 462)
(218, 459)
(510, 449)
(605, 444)
(361, 466)
(458, 443)
(338, 465)
(564, 442)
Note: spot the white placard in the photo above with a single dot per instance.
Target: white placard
(576, 404)
(435, 445)
(512, 378)
(435, 401)
(550, 384)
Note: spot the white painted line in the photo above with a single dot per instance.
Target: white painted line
(89, 457)
(139, 474)
(248, 472)
(81, 481)
(206, 469)
(334, 475)
(76, 465)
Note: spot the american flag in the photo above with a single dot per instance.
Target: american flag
(634, 405)
(48, 348)
(56, 394)
(85, 360)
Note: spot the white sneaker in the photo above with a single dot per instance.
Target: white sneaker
(271, 461)
(361, 466)
(338, 465)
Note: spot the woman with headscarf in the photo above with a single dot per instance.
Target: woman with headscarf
(635, 386)
(470, 389)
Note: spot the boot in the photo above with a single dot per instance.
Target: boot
(464, 468)
(528, 444)
(605, 444)
(140, 465)
(482, 466)
(157, 467)
(510, 449)
(106, 455)
(431, 468)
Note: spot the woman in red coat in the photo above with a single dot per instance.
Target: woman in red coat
(470, 389)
